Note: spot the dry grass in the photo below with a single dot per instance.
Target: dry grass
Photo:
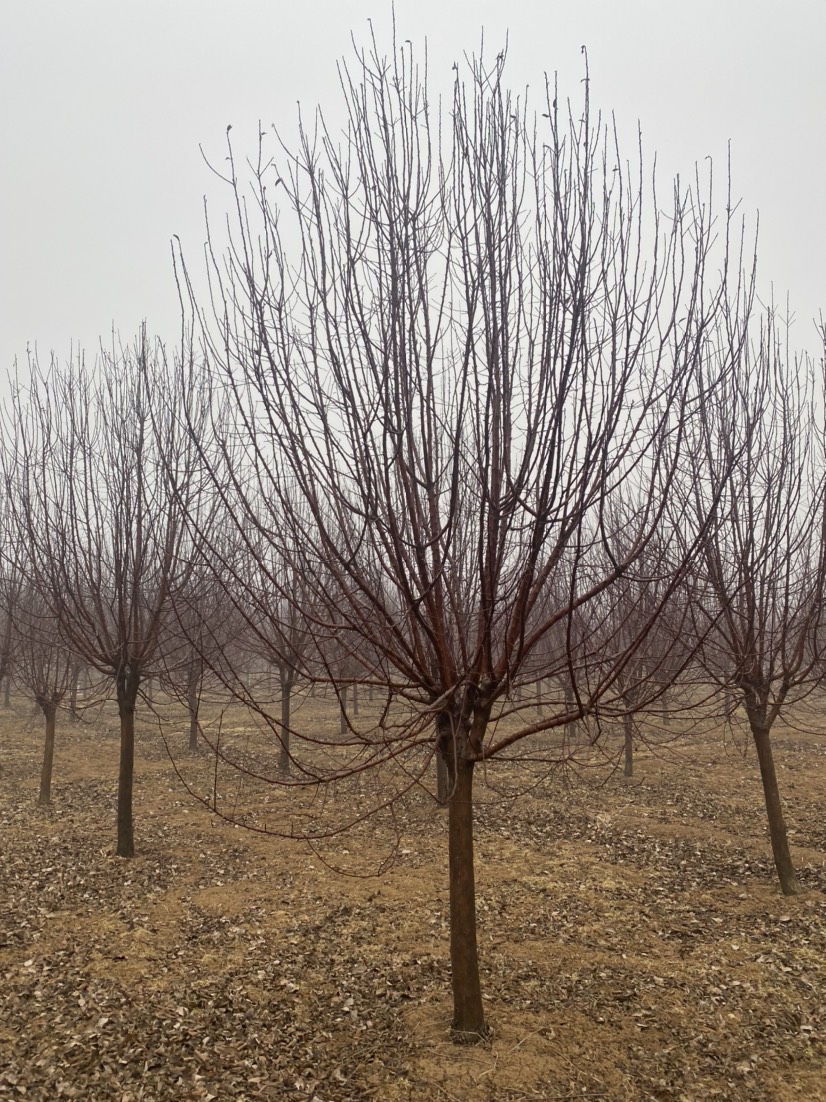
(634, 945)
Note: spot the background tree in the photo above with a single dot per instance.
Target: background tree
(200, 628)
(758, 585)
(643, 595)
(11, 584)
(276, 625)
(44, 669)
(100, 509)
(486, 336)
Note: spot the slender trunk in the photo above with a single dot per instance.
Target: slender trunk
(193, 703)
(128, 683)
(628, 729)
(343, 701)
(570, 726)
(73, 690)
(789, 884)
(7, 692)
(50, 712)
(284, 736)
(468, 1014)
(354, 694)
(539, 696)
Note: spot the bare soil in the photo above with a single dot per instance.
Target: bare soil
(634, 944)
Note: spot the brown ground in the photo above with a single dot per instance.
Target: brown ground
(634, 944)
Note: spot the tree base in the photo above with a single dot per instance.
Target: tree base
(792, 888)
(470, 1037)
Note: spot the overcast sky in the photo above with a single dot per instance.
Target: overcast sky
(105, 105)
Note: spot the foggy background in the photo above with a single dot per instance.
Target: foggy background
(105, 106)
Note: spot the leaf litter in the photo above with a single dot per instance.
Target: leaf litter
(633, 942)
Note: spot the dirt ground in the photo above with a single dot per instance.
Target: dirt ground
(633, 942)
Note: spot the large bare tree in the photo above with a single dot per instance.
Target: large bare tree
(443, 344)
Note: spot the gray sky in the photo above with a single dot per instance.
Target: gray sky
(104, 106)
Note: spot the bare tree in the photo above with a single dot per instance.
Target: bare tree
(758, 587)
(100, 510)
(43, 667)
(487, 335)
(645, 595)
(193, 638)
(277, 629)
(11, 583)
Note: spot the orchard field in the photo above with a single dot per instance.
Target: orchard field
(634, 942)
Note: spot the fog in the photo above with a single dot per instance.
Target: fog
(109, 107)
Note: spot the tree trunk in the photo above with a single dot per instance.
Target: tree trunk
(570, 726)
(442, 781)
(73, 689)
(789, 884)
(128, 683)
(284, 736)
(628, 728)
(343, 728)
(45, 798)
(194, 727)
(354, 695)
(468, 1015)
(7, 692)
(193, 703)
